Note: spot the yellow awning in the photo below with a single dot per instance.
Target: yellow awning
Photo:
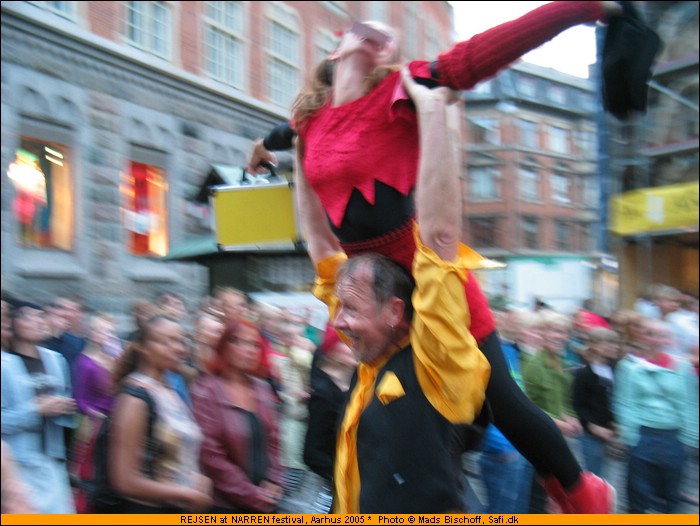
(664, 208)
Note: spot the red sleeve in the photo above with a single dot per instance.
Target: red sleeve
(483, 55)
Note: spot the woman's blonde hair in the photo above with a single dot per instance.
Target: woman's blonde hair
(624, 322)
(527, 319)
(551, 318)
(318, 90)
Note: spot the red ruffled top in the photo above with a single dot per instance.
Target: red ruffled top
(375, 138)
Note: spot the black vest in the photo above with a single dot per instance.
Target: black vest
(405, 450)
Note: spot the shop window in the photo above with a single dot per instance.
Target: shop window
(144, 192)
(43, 200)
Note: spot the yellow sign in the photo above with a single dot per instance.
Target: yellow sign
(673, 207)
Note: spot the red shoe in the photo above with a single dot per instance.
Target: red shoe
(558, 501)
(592, 494)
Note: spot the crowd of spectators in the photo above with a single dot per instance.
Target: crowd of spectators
(246, 400)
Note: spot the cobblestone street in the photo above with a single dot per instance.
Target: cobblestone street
(309, 498)
(617, 476)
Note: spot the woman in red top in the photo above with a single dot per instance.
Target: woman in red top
(359, 139)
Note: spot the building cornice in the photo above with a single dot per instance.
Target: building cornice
(89, 61)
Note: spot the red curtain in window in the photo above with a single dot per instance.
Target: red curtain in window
(140, 207)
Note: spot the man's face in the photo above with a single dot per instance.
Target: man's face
(70, 310)
(361, 318)
(58, 322)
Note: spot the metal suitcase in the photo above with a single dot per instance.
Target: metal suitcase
(257, 214)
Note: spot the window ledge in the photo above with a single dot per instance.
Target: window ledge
(63, 266)
(149, 271)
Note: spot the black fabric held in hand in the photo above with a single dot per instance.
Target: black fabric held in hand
(629, 51)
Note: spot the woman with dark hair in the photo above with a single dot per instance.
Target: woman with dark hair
(37, 406)
(238, 416)
(154, 440)
(94, 395)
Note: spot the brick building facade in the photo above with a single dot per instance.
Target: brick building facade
(113, 114)
(532, 185)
